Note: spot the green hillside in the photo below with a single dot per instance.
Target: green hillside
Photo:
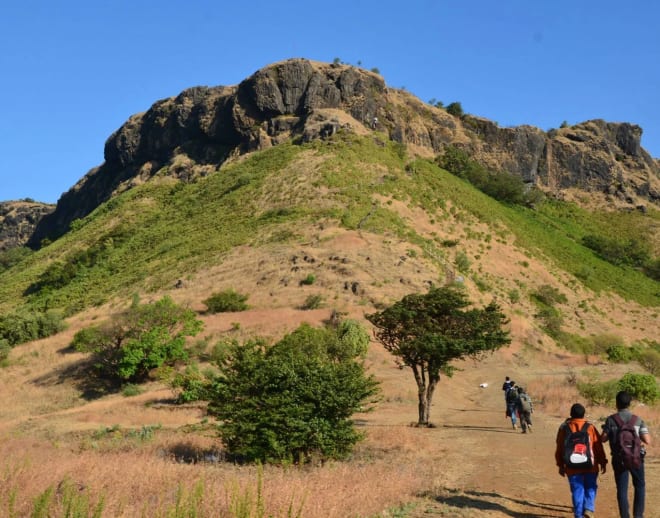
(151, 235)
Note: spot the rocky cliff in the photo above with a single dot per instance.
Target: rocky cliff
(18, 219)
(193, 133)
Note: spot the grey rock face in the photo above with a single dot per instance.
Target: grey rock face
(203, 126)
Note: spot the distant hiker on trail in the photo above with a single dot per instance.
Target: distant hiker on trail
(579, 454)
(507, 385)
(374, 123)
(525, 408)
(628, 436)
(511, 400)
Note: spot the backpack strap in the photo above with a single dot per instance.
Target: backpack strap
(620, 422)
(585, 426)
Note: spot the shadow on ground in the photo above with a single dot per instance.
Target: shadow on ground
(482, 501)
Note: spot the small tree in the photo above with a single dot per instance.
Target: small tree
(144, 337)
(427, 332)
(455, 109)
(292, 401)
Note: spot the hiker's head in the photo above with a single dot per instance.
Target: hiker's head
(507, 378)
(577, 411)
(623, 400)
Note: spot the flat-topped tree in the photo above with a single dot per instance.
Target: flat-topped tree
(426, 332)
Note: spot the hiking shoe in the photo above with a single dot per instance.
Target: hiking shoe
(529, 427)
(588, 514)
(524, 431)
(514, 425)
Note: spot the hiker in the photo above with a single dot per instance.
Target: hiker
(374, 123)
(525, 408)
(579, 454)
(506, 386)
(511, 399)
(628, 436)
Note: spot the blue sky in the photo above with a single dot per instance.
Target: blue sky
(74, 71)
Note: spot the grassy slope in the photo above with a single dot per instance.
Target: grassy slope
(146, 238)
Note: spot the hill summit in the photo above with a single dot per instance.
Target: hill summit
(299, 100)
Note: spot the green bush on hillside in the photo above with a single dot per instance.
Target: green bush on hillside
(642, 387)
(501, 186)
(631, 252)
(24, 326)
(9, 258)
(293, 401)
(142, 338)
(226, 301)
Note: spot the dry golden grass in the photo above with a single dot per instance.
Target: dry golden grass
(49, 434)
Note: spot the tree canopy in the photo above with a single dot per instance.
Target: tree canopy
(426, 332)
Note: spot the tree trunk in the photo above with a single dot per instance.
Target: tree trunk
(423, 407)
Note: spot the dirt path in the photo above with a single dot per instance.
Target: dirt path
(496, 471)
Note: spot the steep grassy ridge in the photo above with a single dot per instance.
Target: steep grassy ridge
(153, 234)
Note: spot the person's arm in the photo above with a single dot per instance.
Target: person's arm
(645, 438)
(599, 451)
(559, 450)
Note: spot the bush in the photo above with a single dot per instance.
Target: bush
(548, 295)
(620, 354)
(292, 402)
(650, 360)
(455, 109)
(599, 392)
(312, 302)
(309, 280)
(225, 301)
(631, 252)
(642, 387)
(24, 326)
(145, 337)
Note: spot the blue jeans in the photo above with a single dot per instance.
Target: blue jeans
(583, 492)
(511, 409)
(622, 491)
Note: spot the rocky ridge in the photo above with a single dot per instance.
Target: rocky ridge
(194, 133)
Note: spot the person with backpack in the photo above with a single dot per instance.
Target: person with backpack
(579, 454)
(628, 436)
(511, 400)
(524, 408)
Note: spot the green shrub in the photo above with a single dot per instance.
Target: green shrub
(619, 353)
(548, 295)
(650, 360)
(293, 401)
(642, 387)
(514, 296)
(455, 109)
(24, 326)
(462, 262)
(312, 302)
(599, 392)
(309, 280)
(632, 252)
(143, 338)
(9, 258)
(226, 301)
(192, 385)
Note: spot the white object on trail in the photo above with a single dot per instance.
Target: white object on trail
(483, 385)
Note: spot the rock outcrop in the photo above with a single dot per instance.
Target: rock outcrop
(193, 133)
(18, 219)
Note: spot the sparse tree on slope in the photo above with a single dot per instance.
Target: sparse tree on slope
(426, 332)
